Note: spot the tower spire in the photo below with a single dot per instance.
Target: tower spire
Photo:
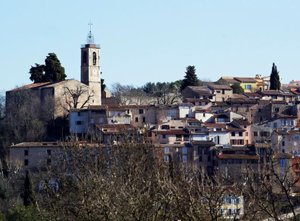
(90, 38)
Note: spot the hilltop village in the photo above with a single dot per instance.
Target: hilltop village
(211, 126)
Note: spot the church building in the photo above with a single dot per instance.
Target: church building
(60, 97)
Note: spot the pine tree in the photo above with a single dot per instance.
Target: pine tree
(274, 79)
(190, 78)
(28, 196)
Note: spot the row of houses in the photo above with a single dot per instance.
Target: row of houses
(212, 129)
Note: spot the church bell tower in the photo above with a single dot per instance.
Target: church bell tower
(90, 68)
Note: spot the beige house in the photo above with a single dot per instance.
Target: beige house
(221, 92)
(34, 155)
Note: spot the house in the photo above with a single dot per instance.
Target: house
(248, 84)
(204, 156)
(178, 153)
(221, 92)
(279, 140)
(234, 162)
(174, 136)
(278, 95)
(294, 141)
(35, 155)
(295, 171)
(38, 156)
(186, 110)
(197, 130)
(232, 207)
(244, 124)
(218, 133)
(283, 121)
(198, 93)
(203, 115)
(118, 133)
(166, 112)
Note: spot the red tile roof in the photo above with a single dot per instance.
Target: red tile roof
(238, 156)
(31, 86)
(245, 80)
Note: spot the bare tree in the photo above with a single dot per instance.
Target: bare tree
(24, 118)
(269, 192)
(79, 97)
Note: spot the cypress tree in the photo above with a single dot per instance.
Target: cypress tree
(274, 79)
(28, 197)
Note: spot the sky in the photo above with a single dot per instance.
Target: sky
(154, 40)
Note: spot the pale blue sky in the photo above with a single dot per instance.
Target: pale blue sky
(152, 40)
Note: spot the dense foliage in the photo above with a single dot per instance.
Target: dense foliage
(274, 78)
(190, 78)
(237, 89)
(51, 71)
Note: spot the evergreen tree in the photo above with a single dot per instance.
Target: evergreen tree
(37, 73)
(52, 70)
(237, 89)
(274, 79)
(28, 195)
(190, 78)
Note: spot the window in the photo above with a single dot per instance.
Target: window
(144, 119)
(184, 158)
(26, 162)
(217, 140)
(240, 134)
(26, 152)
(141, 111)
(136, 119)
(184, 150)
(275, 125)
(94, 58)
(255, 133)
(78, 114)
(203, 114)
(166, 158)
(167, 150)
(248, 87)
(164, 136)
(218, 92)
(276, 109)
(233, 134)
(49, 152)
(283, 143)
(78, 122)
(223, 91)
